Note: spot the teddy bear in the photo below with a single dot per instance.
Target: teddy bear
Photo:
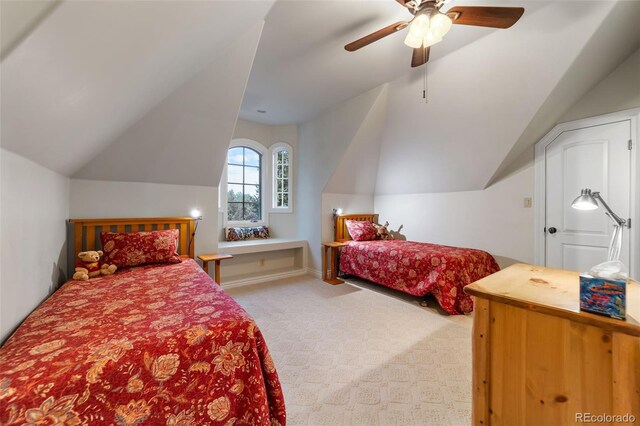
(90, 266)
(382, 231)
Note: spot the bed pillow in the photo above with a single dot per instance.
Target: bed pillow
(140, 248)
(247, 233)
(361, 230)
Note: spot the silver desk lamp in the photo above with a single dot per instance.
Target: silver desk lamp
(589, 201)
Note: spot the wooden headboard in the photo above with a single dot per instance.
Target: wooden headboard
(341, 232)
(86, 232)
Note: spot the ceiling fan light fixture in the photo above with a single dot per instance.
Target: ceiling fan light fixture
(440, 24)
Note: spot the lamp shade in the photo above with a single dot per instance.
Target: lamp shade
(430, 39)
(585, 201)
(417, 30)
(440, 25)
(412, 40)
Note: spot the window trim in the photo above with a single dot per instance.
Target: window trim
(275, 148)
(263, 151)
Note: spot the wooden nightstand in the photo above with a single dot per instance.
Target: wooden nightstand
(214, 257)
(330, 251)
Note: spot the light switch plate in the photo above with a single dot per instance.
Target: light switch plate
(528, 202)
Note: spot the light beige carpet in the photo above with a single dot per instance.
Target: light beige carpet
(359, 354)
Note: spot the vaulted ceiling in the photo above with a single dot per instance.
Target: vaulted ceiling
(301, 67)
(86, 85)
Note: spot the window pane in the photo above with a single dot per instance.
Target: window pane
(285, 185)
(235, 174)
(252, 211)
(235, 155)
(252, 175)
(285, 156)
(279, 171)
(234, 193)
(285, 200)
(285, 171)
(252, 193)
(251, 157)
(234, 211)
(279, 185)
(279, 201)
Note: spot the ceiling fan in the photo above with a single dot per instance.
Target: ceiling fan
(429, 24)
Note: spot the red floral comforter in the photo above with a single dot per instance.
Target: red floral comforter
(420, 268)
(150, 345)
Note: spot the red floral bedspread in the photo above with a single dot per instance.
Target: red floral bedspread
(420, 268)
(151, 345)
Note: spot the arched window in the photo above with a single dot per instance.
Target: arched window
(256, 182)
(281, 169)
(244, 185)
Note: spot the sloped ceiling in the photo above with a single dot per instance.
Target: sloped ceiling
(610, 95)
(357, 170)
(90, 70)
(183, 139)
(615, 39)
(323, 141)
(482, 98)
(19, 18)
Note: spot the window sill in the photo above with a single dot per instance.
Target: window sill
(245, 224)
(277, 210)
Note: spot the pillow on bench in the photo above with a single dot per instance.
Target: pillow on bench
(248, 233)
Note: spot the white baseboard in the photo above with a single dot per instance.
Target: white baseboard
(265, 278)
(315, 272)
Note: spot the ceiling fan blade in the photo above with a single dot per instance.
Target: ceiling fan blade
(368, 39)
(494, 17)
(420, 56)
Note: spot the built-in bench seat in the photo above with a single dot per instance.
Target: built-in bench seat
(257, 246)
(261, 260)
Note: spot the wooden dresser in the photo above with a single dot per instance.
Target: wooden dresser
(538, 360)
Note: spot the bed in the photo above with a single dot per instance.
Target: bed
(155, 344)
(413, 267)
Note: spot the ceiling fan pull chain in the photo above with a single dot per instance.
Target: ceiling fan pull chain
(424, 89)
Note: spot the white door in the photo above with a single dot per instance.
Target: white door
(597, 158)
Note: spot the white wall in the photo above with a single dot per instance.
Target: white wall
(493, 219)
(34, 207)
(102, 199)
(266, 134)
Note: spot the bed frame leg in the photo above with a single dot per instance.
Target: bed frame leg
(424, 302)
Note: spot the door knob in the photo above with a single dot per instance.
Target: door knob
(552, 230)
